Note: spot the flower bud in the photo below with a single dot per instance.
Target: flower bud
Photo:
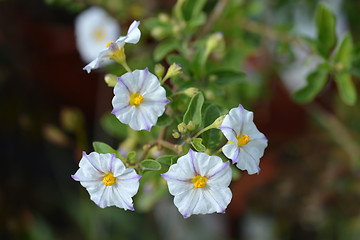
(218, 121)
(190, 92)
(214, 41)
(191, 126)
(173, 71)
(110, 79)
(182, 127)
(176, 134)
(158, 33)
(163, 18)
(159, 70)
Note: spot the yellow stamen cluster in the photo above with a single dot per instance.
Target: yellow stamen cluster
(136, 99)
(109, 179)
(199, 181)
(108, 44)
(242, 140)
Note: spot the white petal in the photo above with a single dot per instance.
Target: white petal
(86, 24)
(186, 201)
(228, 131)
(96, 63)
(232, 152)
(219, 176)
(133, 35)
(248, 162)
(218, 198)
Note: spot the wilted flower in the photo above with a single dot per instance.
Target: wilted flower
(115, 49)
(199, 183)
(93, 29)
(139, 99)
(247, 144)
(107, 180)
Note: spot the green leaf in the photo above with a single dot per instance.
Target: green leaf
(224, 77)
(131, 156)
(193, 112)
(113, 126)
(192, 9)
(346, 88)
(197, 144)
(164, 48)
(211, 137)
(166, 161)
(325, 23)
(315, 83)
(101, 147)
(344, 52)
(150, 165)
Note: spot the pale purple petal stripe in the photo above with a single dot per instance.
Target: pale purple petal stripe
(236, 156)
(224, 166)
(148, 126)
(146, 72)
(132, 29)
(122, 198)
(123, 82)
(254, 161)
(167, 177)
(191, 153)
(116, 111)
(91, 163)
(242, 117)
(228, 128)
(112, 162)
(98, 203)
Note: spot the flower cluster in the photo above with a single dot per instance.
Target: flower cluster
(199, 181)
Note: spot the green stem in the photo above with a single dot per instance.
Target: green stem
(127, 68)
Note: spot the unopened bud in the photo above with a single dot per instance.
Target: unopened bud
(176, 134)
(110, 79)
(159, 70)
(71, 119)
(158, 33)
(163, 18)
(214, 41)
(190, 92)
(182, 127)
(173, 71)
(191, 126)
(218, 121)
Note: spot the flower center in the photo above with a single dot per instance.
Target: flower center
(199, 181)
(108, 44)
(136, 99)
(109, 179)
(99, 34)
(242, 140)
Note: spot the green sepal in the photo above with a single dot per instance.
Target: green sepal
(101, 147)
(346, 88)
(315, 83)
(197, 144)
(325, 23)
(193, 113)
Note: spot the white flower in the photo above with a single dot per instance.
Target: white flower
(107, 180)
(115, 49)
(94, 28)
(139, 99)
(247, 144)
(199, 183)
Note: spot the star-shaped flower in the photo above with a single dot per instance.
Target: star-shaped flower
(139, 99)
(199, 183)
(246, 144)
(107, 180)
(115, 49)
(93, 29)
